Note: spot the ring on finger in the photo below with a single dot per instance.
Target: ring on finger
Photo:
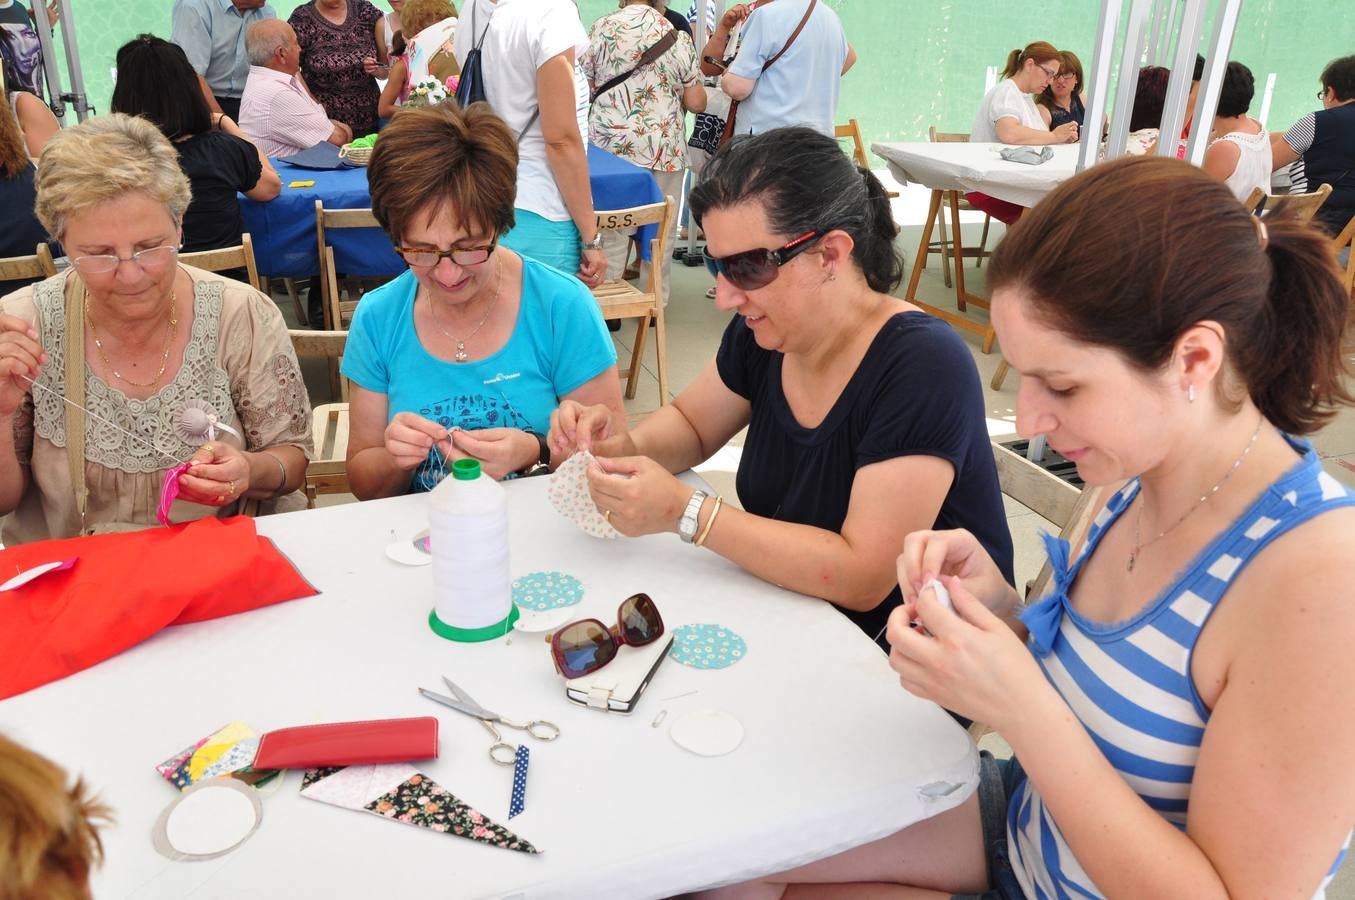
(220, 498)
(230, 488)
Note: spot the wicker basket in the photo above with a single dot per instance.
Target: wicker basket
(357, 156)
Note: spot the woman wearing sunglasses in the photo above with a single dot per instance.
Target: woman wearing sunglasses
(1008, 115)
(864, 415)
(1180, 704)
(469, 352)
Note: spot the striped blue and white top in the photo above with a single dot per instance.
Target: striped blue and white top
(1129, 682)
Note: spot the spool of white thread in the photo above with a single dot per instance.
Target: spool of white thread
(468, 537)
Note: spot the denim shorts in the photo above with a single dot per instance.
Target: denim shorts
(553, 243)
(998, 780)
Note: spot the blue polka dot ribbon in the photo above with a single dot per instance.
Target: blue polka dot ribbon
(541, 591)
(707, 646)
(519, 799)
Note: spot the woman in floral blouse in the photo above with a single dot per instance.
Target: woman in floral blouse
(339, 58)
(641, 120)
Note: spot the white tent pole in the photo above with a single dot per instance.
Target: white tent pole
(1128, 81)
(51, 73)
(57, 98)
(1211, 83)
(1178, 87)
(1099, 81)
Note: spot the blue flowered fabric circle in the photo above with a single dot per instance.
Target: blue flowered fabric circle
(540, 591)
(707, 646)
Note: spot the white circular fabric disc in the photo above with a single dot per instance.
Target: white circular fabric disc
(532, 621)
(707, 732)
(211, 820)
(407, 553)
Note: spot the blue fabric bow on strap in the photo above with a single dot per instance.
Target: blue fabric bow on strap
(1043, 617)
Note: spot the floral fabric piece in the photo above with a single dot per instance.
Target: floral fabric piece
(416, 800)
(541, 591)
(707, 646)
(569, 495)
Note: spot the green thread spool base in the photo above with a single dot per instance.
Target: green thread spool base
(473, 635)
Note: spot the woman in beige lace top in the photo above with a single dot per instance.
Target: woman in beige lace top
(154, 336)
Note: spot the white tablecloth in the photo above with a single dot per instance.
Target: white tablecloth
(835, 753)
(977, 167)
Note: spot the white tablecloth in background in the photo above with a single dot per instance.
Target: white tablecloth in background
(835, 752)
(977, 167)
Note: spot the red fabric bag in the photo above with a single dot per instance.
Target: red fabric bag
(126, 587)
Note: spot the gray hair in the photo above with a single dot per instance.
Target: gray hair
(102, 159)
(264, 39)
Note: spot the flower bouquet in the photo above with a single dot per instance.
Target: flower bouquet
(431, 91)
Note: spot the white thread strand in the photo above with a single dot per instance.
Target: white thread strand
(136, 437)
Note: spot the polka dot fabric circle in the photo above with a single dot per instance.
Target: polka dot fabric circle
(707, 646)
(541, 591)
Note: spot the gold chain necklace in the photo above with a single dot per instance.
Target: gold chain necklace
(461, 355)
(164, 354)
(1139, 547)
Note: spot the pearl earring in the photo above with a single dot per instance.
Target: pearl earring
(1190, 393)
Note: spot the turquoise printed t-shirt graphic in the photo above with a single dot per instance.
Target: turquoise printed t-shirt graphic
(559, 343)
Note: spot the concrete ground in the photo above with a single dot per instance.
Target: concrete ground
(694, 329)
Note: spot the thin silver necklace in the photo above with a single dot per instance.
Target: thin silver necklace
(1139, 546)
(461, 355)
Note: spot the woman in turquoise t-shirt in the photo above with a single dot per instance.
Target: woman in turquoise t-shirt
(469, 352)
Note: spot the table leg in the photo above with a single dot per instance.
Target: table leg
(920, 261)
(962, 296)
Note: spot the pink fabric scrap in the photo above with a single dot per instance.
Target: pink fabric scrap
(169, 490)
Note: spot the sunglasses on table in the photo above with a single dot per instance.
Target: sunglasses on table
(428, 257)
(753, 269)
(587, 645)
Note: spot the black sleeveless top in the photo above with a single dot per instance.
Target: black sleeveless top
(1059, 116)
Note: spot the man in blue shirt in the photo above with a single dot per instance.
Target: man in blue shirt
(1323, 143)
(801, 88)
(212, 34)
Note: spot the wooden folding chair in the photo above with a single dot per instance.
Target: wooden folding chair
(338, 311)
(1346, 241)
(622, 300)
(327, 471)
(957, 204)
(39, 265)
(241, 256)
(852, 130)
(1253, 202)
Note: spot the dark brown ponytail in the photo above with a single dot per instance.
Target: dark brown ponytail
(1040, 51)
(1131, 253)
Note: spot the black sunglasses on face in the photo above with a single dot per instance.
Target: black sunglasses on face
(753, 269)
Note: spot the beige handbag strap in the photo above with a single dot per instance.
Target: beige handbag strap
(75, 391)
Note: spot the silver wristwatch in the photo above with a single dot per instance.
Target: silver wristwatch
(687, 524)
(594, 244)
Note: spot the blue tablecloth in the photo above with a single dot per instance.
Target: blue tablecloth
(283, 229)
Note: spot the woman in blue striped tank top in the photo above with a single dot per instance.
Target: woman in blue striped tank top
(1182, 702)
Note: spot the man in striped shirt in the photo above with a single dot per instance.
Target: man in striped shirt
(276, 109)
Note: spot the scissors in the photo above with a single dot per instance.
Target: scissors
(500, 751)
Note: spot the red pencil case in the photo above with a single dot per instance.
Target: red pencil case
(349, 744)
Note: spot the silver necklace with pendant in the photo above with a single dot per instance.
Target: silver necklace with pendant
(1139, 546)
(461, 355)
